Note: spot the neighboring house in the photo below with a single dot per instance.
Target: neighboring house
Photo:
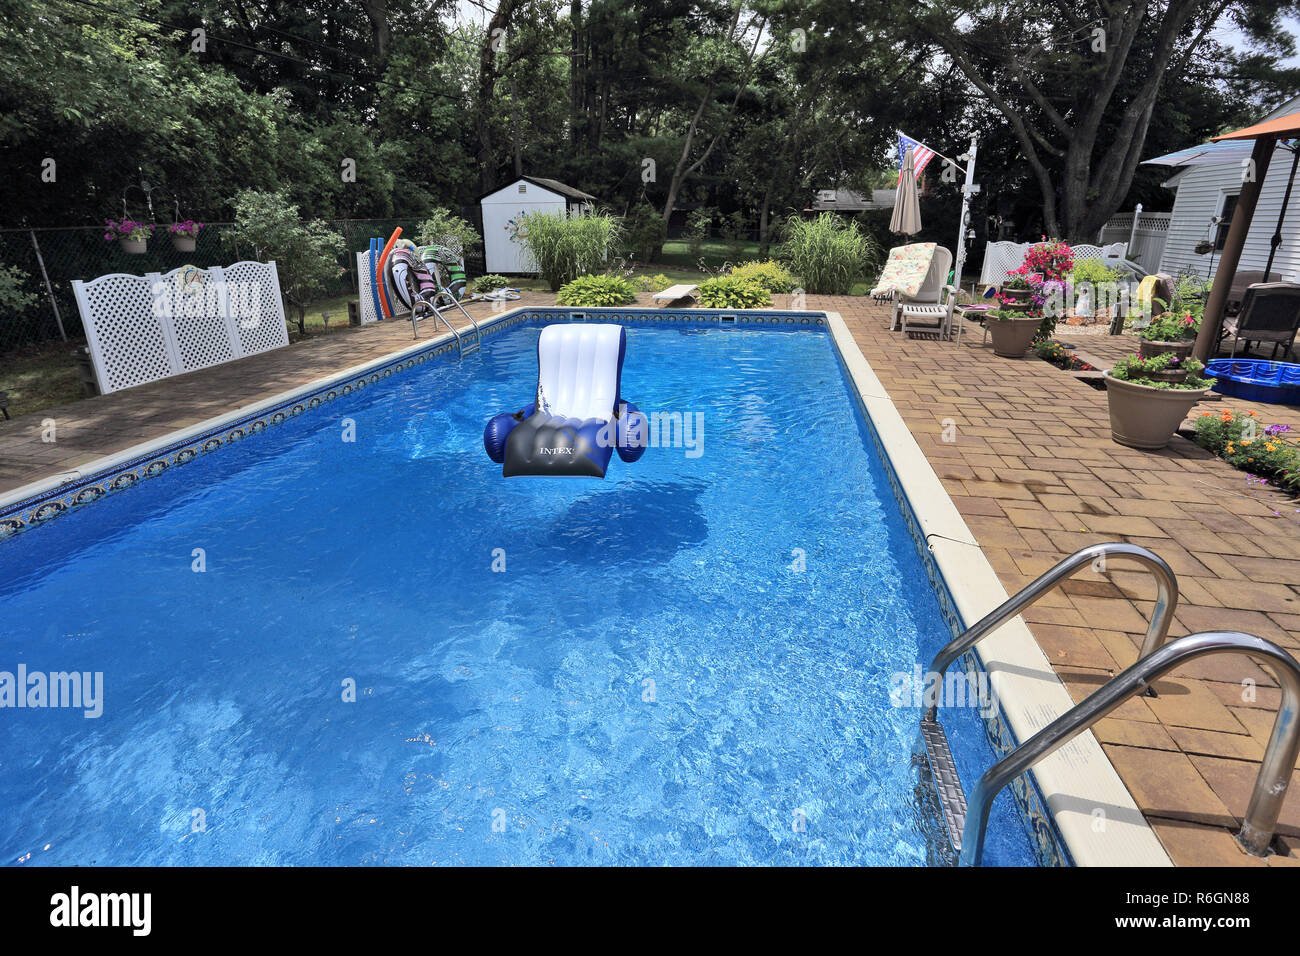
(1207, 182)
(847, 200)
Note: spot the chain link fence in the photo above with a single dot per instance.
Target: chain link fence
(51, 258)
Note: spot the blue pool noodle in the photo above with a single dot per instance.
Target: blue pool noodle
(374, 280)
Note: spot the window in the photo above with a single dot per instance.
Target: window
(1225, 220)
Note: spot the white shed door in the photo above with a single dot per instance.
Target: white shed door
(503, 252)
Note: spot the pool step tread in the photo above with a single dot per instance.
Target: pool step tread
(946, 782)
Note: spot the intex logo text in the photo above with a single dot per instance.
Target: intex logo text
(102, 909)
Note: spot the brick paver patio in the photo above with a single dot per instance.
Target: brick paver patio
(1035, 475)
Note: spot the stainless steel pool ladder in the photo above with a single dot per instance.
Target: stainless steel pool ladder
(966, 827)
(423, 305)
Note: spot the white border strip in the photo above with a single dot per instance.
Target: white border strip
(1076, 780)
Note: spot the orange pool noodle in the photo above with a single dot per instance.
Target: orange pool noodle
(379, 273)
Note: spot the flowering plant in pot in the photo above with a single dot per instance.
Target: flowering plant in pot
(1012, 331)
(1149, 398)
(184, 234)
(1016, 290)
(132, 236)
(1169, 332)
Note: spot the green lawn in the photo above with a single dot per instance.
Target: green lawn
(39, 378)
(714, 252)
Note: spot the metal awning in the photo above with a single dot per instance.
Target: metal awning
(1207, 154)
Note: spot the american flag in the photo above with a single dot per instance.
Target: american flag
(921, 154)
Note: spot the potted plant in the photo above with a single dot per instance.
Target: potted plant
(1148, 400)
(132, 236)
(1012, 331)
(1015, 293)
(1173, 332)
(184, 234)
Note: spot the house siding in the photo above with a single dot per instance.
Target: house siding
(1200, 191)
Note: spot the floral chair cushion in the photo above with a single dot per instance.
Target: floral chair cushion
(905, 270)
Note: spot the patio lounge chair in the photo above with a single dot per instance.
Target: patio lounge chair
(931, 292)
(931, 318)
(1270, 312)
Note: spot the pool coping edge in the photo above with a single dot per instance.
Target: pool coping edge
(1027, 688)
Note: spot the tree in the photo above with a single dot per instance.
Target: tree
(1079, 90)
(723, 53)
(306, 254)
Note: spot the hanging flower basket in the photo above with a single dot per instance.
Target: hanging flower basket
(131, 236)
(184, 234)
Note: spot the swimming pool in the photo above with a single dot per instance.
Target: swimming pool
(689, 662)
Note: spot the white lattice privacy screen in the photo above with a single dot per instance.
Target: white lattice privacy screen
(365, 289)
(1001, 257)
(143, 328)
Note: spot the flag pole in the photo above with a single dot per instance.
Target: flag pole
(968, 190)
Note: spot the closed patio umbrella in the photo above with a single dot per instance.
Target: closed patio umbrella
(907, 204)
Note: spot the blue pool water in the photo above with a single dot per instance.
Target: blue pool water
(649, 680)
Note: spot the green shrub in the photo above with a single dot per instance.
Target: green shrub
(443, 223)
(735, 226)
(13, 297)
(489, 283)
(698, 224)
(655, 283)
(731, 292)
(643, 233)
(565, 247)
(828, 253)
(306, 254)
(771, 275)
(1094, 271)
(597, 291)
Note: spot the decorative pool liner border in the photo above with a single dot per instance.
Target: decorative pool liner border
(37, 503)
(1059, 795)
(40, 502)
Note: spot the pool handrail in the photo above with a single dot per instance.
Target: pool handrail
(1157, 631)
(1275, 769)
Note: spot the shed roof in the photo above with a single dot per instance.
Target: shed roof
(554, 185)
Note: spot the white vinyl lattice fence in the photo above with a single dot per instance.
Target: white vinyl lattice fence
(143, 328)
(1146, 242)
(1001, 257)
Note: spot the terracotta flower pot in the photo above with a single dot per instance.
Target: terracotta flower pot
(1012, 337)
(1182, 348)
(1173, 375)
(1146, 417)
(182, 243)
(133, 247)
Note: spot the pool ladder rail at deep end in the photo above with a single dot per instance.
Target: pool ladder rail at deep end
(967, 823)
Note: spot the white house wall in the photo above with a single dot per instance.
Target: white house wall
(1199, 197)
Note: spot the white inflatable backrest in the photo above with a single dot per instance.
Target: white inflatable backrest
(577, 370)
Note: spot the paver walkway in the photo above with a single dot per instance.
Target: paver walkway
(1035, 475)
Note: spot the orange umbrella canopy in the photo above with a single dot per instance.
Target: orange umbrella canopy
(1282, 127)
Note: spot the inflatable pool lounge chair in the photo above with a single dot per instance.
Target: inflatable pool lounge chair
(578, 418)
